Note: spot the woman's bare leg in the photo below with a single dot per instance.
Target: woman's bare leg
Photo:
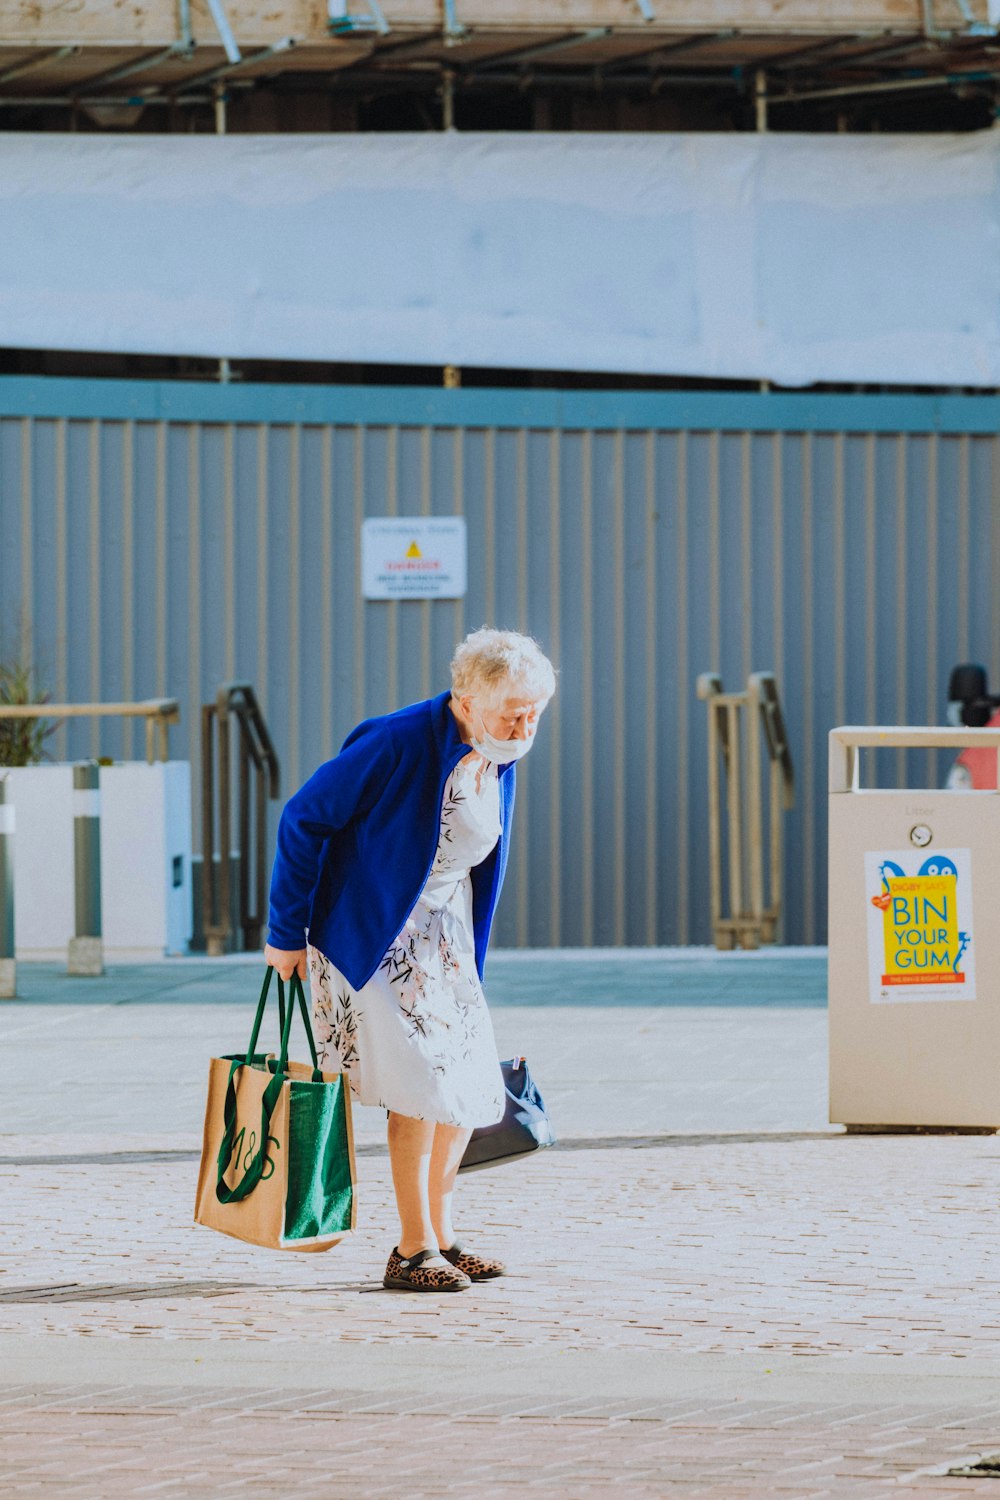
(411, 1144)
(450, 1142)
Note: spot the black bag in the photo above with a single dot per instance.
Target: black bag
(525, 1126)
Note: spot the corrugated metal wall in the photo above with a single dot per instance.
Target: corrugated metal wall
(147, 557)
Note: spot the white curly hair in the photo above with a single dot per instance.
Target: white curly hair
(496, 664)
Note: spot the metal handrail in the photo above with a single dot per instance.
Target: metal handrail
(255, 748)
(159, 713)
(756, 716)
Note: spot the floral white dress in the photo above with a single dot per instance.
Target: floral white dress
(417, 1038)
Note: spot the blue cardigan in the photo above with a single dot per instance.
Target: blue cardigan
(356, 844)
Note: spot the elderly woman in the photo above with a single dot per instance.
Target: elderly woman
(389, 865)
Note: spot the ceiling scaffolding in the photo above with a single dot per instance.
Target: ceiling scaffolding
(180, 53)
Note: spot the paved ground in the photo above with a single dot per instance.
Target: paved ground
(621, 1045)
(712, 1293)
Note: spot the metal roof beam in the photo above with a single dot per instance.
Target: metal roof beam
(800, 55)
(591, 79)
(228, 69)
(137, 65)
(31, 64)
(667, 49)
(72, 101)
(887, 86)
(525, 55)
(428, 79)
(882, 54)
(413, 44)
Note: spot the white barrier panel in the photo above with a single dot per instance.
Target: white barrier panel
(786, 257)
(145, 859)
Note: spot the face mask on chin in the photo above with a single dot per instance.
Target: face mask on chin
(501, 752)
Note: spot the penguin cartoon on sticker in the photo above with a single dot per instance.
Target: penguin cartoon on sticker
(938, 864)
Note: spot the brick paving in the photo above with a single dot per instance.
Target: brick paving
(172, 1448)
(805, 1246)
(719, 1313)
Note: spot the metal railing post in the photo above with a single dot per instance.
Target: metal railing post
(708, 687)
(260, 864)
(763, 691)
(8, 963)
(243, 840)
(257, 759)
(86, 949)
(217, 944)
(734, 811)
(208, 925)
(742, 916)
(755, 810)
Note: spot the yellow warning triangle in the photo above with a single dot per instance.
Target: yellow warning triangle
(413, 550)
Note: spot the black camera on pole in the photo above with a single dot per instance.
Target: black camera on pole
(969, 700)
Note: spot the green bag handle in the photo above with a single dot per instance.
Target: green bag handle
(297, 994)
(272, 1093)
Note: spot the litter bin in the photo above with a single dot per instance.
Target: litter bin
(914, 935)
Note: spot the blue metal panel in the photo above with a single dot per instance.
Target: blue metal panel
(81, 449)
(345, 542)
(272, 558)
(984, 522)
(162, 538)
(210, 548)
(643, 856)
(675, 705)
(702, 595)
(538, 785)
(573, 709)
(107, 624)
(11, 561)
(743, 411)
(440, 627)
(913, 554)
(796, 677)
(145, 566)
(41, 571)
(603, 669)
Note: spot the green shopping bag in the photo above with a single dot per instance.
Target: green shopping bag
(277, 1161)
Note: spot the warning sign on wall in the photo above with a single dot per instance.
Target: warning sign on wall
(920, 926)
(413, 557)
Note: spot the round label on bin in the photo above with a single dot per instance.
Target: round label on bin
(921, 836)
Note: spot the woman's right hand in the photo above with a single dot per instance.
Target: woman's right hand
(286, 961)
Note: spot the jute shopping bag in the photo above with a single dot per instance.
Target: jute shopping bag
(277, 1161)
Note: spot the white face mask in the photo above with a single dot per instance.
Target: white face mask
(501, 752)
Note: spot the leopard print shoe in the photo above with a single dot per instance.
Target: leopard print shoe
(424, 1272)
(476, 1267)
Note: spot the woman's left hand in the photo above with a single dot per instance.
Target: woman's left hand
(287, 961)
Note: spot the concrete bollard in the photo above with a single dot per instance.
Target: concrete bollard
(8, 965)
(86, 949)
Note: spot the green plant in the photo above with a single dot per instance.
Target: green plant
(22, 740)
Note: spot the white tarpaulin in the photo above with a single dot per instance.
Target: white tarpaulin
(794, 258)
